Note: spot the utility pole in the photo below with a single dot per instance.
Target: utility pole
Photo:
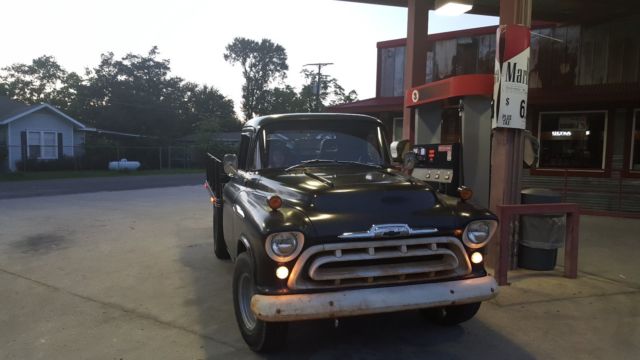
(319, 77)
(506, 143)
(415, 61)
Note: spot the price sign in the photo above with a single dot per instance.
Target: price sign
(511, 75)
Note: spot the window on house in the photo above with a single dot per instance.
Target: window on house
(635, 142)
(573, 140)
(397, 129)
(42, 145)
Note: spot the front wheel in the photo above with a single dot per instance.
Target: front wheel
(451, 315)
(261, 336)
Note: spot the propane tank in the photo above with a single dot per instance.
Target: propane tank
(124, 165)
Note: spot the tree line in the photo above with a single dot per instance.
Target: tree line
(138, 94)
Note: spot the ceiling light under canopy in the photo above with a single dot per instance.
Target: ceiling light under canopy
(453, 8)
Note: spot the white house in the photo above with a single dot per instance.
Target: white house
(36, 132)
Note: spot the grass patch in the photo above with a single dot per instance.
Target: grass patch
(47, 175)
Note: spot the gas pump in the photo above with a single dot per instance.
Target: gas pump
(440, 166)
(452, 134)
(453, 146)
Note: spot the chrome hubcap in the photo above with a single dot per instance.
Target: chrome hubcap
(245, 292)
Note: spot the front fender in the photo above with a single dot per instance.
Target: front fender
(259, 222)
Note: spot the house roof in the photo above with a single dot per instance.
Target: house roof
(371, 106)
(109, 132)
(11, 110)
(9, 107)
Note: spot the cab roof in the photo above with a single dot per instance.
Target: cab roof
(269, 119)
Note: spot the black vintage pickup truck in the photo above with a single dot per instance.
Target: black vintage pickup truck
(320, 225)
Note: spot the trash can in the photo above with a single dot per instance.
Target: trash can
(540, 235)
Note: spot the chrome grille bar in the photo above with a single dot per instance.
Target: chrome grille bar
(379, 262)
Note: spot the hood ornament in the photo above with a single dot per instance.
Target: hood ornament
(387, 230)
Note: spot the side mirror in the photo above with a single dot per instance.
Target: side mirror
(399, 149)
(409, 161)
(230, 164)
(531, 149)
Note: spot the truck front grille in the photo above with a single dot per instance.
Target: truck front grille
(379, 262)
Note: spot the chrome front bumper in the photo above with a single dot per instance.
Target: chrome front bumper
(372, 300)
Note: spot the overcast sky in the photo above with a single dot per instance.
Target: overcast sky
(194, 33)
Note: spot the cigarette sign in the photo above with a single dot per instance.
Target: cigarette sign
(446, 149)
(511, 75)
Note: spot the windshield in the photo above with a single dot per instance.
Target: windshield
(290, 143)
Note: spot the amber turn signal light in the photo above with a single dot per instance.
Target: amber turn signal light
(465, 193)
(457, 232)
(275, 202)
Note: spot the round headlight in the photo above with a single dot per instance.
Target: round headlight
(284, 246)
(478, 233)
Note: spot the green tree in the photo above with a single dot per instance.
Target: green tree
(281, 100)
(44, 80)
(331, 92)
(262, 64)
(208, 110)
(137, 94)
(133, 94)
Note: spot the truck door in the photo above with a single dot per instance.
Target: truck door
(232, 213)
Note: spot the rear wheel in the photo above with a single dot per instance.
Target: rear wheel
(261, 336)
(219, 246)
(451, 315)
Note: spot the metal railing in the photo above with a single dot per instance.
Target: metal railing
(507, 213)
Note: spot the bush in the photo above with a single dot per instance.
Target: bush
(66, 163)
(97, 157)
(4, 152)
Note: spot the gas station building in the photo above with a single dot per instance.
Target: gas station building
(583, 98)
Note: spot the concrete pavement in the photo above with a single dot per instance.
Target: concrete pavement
(131, 275)
(29, 188)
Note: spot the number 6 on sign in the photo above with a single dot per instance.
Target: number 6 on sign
(523, 109)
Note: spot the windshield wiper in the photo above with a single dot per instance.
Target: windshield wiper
(315, 161)
(359, 163)
(307, 162)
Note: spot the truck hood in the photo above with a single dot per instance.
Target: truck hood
(340, 199)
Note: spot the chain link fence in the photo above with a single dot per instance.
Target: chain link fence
(98, 157)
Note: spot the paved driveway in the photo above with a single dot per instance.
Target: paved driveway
(131, 275)
(18, 189)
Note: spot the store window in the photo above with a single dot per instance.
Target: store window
(573, 140)
(42, 145)
(635, 142)
(392, 71)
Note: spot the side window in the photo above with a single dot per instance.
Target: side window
(254, 156)
(245, 140)
(256, 164)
